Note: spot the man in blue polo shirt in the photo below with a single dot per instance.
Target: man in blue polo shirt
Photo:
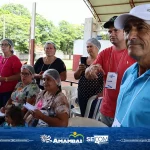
(133, 104)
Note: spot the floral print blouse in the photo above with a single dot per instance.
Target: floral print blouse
(21, 93)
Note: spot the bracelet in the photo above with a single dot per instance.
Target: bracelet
(6, 79)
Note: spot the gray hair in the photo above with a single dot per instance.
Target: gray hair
(50, 42)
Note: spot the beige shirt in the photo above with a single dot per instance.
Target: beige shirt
(51, 105)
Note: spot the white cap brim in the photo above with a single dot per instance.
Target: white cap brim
(121, 20)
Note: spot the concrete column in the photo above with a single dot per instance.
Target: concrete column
(88, 26)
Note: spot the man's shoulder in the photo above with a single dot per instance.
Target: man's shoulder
(106, 50)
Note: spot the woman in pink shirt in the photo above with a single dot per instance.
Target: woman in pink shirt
(10, 66)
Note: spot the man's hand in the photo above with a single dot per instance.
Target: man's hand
(92, 71)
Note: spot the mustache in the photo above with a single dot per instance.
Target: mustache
(134, 42)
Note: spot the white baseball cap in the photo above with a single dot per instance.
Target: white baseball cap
(141, 11)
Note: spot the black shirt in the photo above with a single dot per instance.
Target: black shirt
(39, 66)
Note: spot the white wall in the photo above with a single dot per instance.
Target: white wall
(78, 47)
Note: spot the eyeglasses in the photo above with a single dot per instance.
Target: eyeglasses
(25, 74)
(5, 45)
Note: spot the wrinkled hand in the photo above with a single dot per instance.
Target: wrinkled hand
(37, 114)
(94, 70)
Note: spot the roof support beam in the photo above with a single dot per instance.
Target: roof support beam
(110, 5)
(113, 13)
(122, 3)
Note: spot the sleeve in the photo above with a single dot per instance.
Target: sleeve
(62, 66)
(61, 105)
(37, 65)
(16, 65)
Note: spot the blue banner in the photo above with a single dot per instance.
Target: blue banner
(74, 138)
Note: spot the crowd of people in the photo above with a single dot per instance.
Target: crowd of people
(120, 74)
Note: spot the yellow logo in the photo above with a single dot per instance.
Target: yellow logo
(76, 135)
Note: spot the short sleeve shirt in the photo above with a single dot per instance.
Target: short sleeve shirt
(51, 106)
(21, 93)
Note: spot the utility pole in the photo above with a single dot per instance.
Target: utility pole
(32, 34)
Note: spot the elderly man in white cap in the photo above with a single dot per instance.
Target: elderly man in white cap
(133, 104)
(112, 61)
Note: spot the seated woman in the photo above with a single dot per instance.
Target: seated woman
(25, 91)
(52, 105)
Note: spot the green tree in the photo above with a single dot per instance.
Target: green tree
(104, 36)
(43, 30)
(69, 33)
(17, 24)
(16, 9)
(17, 29)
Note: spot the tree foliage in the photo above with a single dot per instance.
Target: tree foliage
(16, 19)
(16, 9)
(69, 33)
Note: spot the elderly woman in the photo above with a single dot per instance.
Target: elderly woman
(49, 62)
(26, 90)
(88, 88)
(52, 105)
(9, 71)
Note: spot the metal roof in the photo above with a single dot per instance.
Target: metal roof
(103, 10)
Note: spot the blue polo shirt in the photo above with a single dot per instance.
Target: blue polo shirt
(133, 103)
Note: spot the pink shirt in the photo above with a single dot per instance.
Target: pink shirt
(112, 60)
(8, 67)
